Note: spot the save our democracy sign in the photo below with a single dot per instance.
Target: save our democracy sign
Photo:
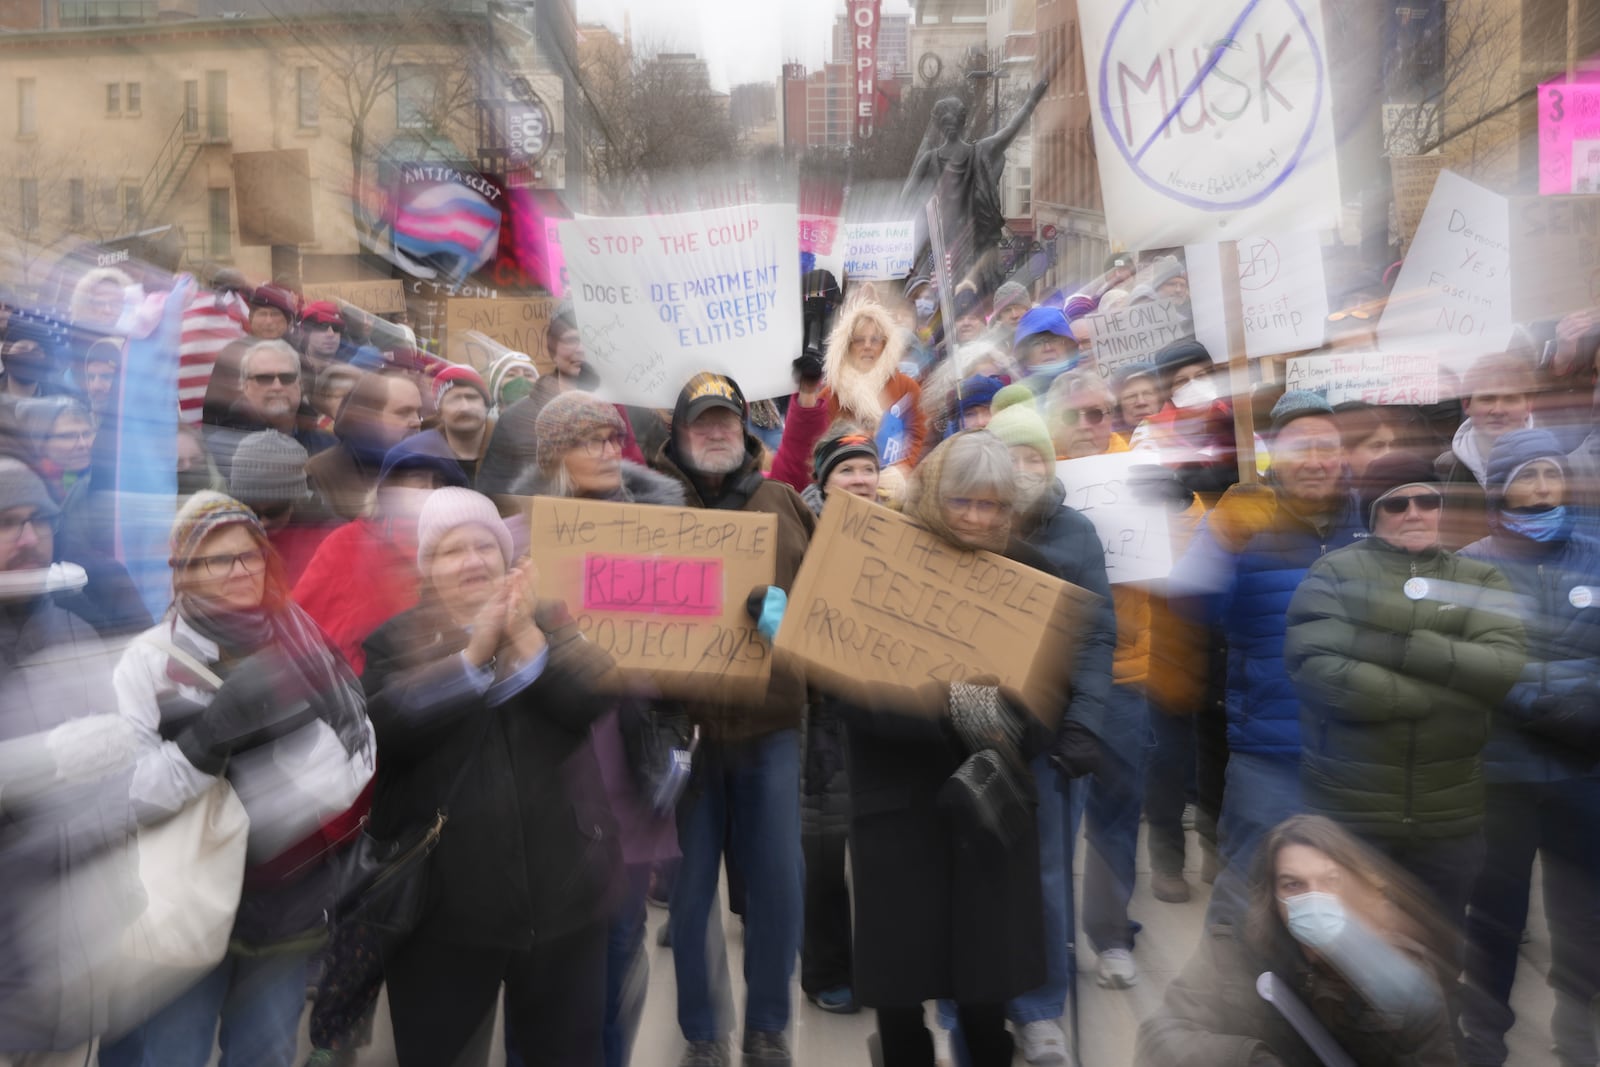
(1212, 120)
(659, 298)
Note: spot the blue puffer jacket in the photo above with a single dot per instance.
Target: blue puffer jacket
(1248, 597)
(1563, 648)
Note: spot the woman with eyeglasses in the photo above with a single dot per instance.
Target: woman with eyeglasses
(579, 449)
(62, 431)
(1543, 795)
(237, 681)
(1399, 651)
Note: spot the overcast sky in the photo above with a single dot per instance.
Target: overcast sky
(741, 40)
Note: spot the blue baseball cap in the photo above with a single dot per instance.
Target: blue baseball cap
(1044, 320)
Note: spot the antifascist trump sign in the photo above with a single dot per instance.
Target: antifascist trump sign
(1212, 121)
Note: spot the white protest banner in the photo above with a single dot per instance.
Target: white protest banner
(878, 251)
(1454, 288)
(1212, 121)
(660, 298)
(1136, 536)
(1133, 333)
(1282, 289)
(1370, 377)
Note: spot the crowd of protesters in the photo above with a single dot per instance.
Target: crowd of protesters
(1371, 684)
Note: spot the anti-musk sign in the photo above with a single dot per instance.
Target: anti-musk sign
(659, 298)
(1212, 120)
(1454, 289)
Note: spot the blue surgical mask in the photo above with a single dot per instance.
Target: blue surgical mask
(1315, 919)
(925, 307)
(1552, 524)
(1053, 369)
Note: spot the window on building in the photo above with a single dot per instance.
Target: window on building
(28, 201)
(132, 208)
(77, 202)
(135, 93)
(27, 107)
(1024, 191)
(416, 96)
(114, 98)
(217, 105)
(1544, 31)
(307, 92)
(191, 107)
(221, 222)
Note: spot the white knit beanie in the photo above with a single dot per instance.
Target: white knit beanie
(450, 507)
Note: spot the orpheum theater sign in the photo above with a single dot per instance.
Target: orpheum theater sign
(864, 27)
(1213, 120)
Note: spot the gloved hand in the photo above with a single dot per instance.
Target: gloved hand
(766, 605)
(262, 699)
(1077, 750)
(1156, 486)
(1382, 647)
(982, 720)
(1243, 512)
(1572, 720)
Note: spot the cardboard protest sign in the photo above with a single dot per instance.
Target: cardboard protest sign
(888, 614)
(1412, 178)
(1211, 121)
(272, 191)
(1133, 333)
(1370, 377)
(879, 251)
(1137, 538)
(1282, 289)
(1569, 137)
(662, 589)
(518, 323)
(660, 298)
(1555, 255)
(383, 296)
(1454, 288)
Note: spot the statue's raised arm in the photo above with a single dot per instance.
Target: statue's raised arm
(996, 143)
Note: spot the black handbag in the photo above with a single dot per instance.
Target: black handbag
(987, 797)
(659, 743)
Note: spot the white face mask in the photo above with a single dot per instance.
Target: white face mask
(1194, 393)
(925, 307)
(1315, 919)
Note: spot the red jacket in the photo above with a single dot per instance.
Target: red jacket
(355, 583)
(803, 426)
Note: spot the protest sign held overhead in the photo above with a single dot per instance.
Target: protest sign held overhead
(519, 324)
(662, 589)
(659, 298)
(1211, 121)
(383, 296)
(1569, 137)
(878, 251)
(1370, 377)
(1136, 536)
(1455, 285)
(1283, 294)
(885, 612)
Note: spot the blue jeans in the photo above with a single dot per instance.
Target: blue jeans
(1167, 785)
(1262, 791)
(627, 969)
(258, 999)
(753, 789)
(1109, 803)
(1557, 821)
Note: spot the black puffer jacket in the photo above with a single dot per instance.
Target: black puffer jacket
(530, 849)
(1397, 684)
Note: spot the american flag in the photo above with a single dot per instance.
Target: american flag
(211, 322)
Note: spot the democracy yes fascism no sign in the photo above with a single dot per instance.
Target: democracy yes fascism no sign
(1212, 120)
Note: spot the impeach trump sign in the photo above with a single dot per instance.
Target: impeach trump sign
(662, 589)
(889, 615)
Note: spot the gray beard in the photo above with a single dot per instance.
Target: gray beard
(704, 465)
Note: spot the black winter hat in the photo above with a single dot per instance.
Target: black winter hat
(1388, 473)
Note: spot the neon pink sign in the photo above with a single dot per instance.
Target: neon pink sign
(1569, 137)
(652, 585)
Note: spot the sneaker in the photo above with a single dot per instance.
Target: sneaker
(1188, 816)
(1043, 1043)
(766, 1048)
(942, 1056)
(1169, 888)
(840, 1000)
(706, 1054)
(1210, 864)
(1117, 969)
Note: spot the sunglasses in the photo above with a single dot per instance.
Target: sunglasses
(286, 378)
(1091, 416)
(1398, 505)
(334, 326)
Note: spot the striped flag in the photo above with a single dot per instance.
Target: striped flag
(211, 322)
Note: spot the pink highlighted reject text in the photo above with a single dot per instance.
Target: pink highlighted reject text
(652, 585)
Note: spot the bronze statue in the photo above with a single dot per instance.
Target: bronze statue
(965, 176)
